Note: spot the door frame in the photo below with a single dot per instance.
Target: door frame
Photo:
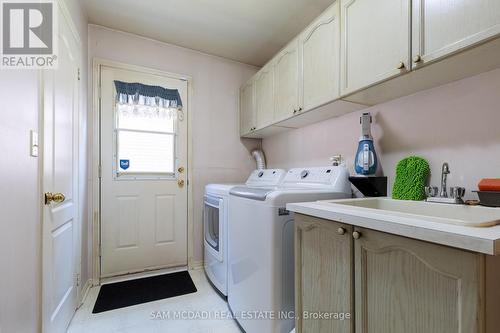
(95, 144)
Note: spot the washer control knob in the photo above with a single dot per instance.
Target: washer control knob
(260, 174)
(304, 174)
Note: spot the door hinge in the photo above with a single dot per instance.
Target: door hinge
(99, 171)
(78, 74)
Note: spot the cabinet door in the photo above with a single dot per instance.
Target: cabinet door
(286, 79)
(323, 275)
(405, 285)
(375, 41)
(247, 108)
(264, 89)
(320, 53)
(443, 27)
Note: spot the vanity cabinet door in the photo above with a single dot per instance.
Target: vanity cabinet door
(441, 28)
(286, 79)
(320, 54)
(247, 108)
(264, 92)
(323, 274)
(375, 42)
(405, 285)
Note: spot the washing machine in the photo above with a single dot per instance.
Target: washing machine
(216, 221)
(261, 245)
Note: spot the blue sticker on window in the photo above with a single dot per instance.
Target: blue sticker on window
(124, 164)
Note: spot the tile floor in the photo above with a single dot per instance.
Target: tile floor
(139, 318)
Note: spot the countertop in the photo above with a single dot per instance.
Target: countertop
(477, 239)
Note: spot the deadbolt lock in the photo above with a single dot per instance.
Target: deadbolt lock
(181, 169)
(54, 197)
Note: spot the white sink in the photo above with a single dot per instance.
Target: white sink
(473, 216)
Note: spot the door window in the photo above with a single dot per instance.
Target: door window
(145, 142)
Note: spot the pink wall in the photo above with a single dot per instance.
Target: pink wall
(458, 123)
(219, 155)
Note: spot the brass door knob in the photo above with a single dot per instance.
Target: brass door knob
(401, 65)
(341, 231)
(181, 169)
(417, 59)
(356, 235)
(54, 197)
(180, 182)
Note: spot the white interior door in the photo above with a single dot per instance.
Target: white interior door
(61, 245)
(143, 173)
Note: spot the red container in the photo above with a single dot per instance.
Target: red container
(489, 184)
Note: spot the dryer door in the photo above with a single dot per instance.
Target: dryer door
(213, 218)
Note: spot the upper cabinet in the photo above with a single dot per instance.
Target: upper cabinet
(359, 53)
(264, 96)
(320, 50)
(247, 108)
(375, 41)
(286, 82)
(441, 28)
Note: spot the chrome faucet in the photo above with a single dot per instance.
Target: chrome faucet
(456, 193)
(445, 171)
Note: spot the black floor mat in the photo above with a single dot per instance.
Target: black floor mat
(122, 294)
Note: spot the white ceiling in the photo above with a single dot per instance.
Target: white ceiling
(250, 31)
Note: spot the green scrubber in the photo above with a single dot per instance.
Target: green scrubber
(411, 176)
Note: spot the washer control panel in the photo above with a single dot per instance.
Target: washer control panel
(266, 177)
(315, 176)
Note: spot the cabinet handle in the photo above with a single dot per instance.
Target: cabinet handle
(294, 111)
(401, 65)
(341, 231)
(356, 235)
(300, 109)
(417, 59)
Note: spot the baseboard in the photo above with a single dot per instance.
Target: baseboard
(196, 265)
(85, 291)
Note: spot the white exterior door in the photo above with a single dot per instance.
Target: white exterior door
(61, 246)
(143, 175)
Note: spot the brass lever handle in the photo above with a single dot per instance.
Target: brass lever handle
(54, 197)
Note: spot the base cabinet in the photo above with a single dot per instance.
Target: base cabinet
(323, 252)
(405, 285)
(390, 284)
